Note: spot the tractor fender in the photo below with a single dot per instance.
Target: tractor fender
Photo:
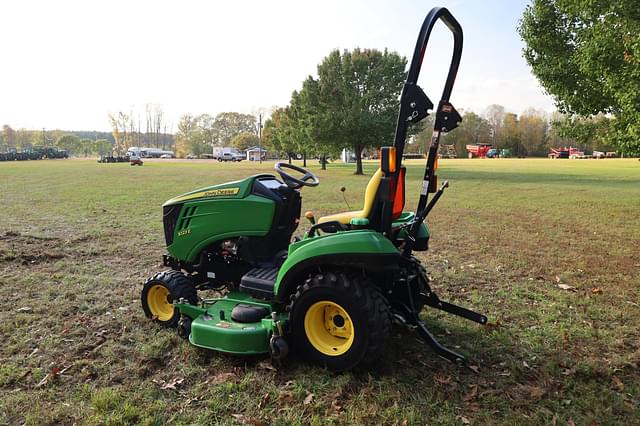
(364, 249)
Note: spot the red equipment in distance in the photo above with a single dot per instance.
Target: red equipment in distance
(565, 153)
(479, 150)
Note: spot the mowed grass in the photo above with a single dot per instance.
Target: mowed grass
(549, 250)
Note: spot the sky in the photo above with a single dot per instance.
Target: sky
(67, 64)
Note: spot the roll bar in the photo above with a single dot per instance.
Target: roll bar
(414, 106)
(421, 47)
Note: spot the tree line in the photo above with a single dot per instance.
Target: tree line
(77, 143)
(585, 55)
(530, 134)
(126, 129)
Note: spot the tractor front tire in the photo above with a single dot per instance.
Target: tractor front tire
(340, 321)
(159, 292)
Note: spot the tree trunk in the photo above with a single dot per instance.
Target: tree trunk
(289, 155)
(323, 162)
(358, 149)
(304, 159)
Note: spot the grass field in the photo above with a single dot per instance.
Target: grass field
(549, 250)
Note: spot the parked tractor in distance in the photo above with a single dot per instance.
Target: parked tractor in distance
(499, 153)
(37, 153)
(135, 160)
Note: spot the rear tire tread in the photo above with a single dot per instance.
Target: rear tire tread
(371, 301)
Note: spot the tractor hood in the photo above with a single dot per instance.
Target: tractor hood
(235, 189)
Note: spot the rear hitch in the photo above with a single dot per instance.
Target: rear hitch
(432, 300)
(413, 319)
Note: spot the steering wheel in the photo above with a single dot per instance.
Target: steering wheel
(307, 179)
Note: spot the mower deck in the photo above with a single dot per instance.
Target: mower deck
(235, 324)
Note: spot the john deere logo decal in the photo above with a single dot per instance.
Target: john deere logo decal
(220, 192)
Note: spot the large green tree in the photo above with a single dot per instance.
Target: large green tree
(103, 147)
(194, 135)
(356, 99)
(276, 134)
(586, 53)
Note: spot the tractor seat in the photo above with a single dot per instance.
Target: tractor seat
(369, 199)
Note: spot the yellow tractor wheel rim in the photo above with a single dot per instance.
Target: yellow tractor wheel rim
(329, 328)
(158, 302)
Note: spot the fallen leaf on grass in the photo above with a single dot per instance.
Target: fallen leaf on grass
(566, 287)
(464, 420)
(443, 380)
(617, 383)
(474, 368)
(567, 371)
(336, 407)
(24, 309)
(308, 399)
(472, 394)
(596, 290)
(246, 420)
(285, 397)
(172, 385)
(220, 378)
(496, 324)
(533, 392)
(266, 365)
(49, 377)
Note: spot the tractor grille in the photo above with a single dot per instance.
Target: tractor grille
(188, 214)
(170, 216)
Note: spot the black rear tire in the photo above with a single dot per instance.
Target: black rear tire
(355, 337)
(159, 292)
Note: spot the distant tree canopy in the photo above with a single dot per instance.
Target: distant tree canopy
(587, 55)
(197, 135)
(245, 141)
(352, 104)
(227, 125)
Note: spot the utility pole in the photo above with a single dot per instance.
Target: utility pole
(44, 141)
(260, 137)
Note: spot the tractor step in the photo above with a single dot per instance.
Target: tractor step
(259, 282)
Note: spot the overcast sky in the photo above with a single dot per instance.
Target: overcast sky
(67, 64)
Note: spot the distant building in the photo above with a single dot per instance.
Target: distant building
(254, 153)
(347, 156)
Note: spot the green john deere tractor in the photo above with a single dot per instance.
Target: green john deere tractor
(332, 295)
